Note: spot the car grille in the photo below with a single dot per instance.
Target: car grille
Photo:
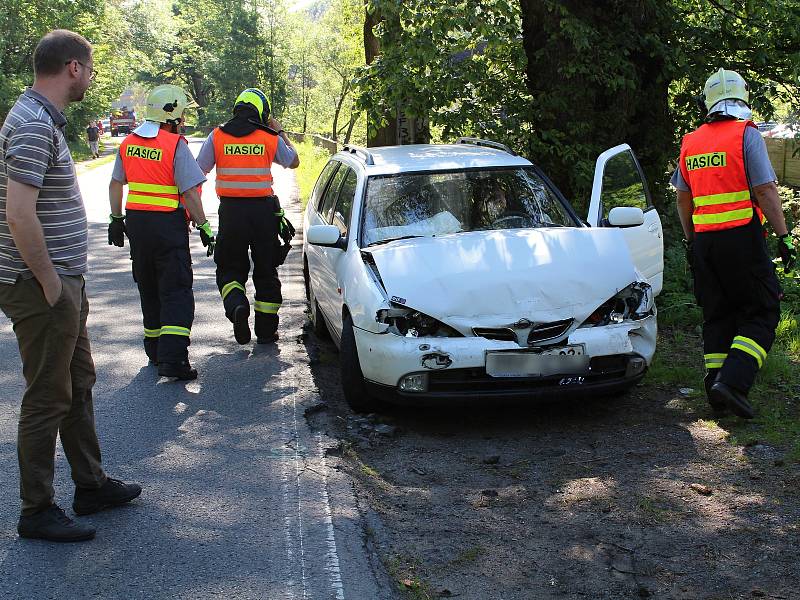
(503, 334)
(477, 381)
(548, 331)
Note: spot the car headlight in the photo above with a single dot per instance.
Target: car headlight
(635, 302)
(413, 323)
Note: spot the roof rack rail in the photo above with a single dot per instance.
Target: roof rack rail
(359, 151)
(487, 143)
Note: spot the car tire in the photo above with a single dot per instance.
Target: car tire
(317, 320)
(355, 390)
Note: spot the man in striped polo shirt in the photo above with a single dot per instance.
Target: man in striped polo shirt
(43, 256)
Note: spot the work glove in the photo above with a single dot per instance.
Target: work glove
(787, 252)
(207, 237)
(285, 227)
(116, 231)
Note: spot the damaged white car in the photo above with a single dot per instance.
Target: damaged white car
(446, 271)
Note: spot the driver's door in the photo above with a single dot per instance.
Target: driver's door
(619, 181)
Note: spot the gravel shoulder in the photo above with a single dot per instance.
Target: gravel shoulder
(637, 496)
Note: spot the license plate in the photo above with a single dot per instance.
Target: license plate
(564, 360)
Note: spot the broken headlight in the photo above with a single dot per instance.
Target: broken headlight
(412, 323)
(635, 302)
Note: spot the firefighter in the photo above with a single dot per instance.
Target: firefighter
(162, 178)
(725, 189)
(250, 215)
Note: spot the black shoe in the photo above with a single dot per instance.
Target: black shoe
(271, 339)
(180, 370)
(717, 407)
(735, 400)
(241, 326)
(112, 493)
(53, 525)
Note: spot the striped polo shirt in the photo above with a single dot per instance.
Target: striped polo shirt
(33, 150)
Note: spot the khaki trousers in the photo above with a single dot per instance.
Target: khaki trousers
(59, 373)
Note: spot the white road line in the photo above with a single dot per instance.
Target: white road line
(331, 556)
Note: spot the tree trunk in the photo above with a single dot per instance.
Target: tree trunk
(577, 120)
(387, 134)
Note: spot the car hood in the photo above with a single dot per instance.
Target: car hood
(492, 279)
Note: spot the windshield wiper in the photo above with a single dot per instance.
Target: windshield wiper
(394, 239)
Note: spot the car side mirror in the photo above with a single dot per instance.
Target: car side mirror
(325, 235)
(625, 216)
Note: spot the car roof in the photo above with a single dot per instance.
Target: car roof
(431, 157)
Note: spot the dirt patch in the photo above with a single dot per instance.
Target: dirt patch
(635, 497)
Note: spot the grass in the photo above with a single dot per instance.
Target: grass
(468, 556)
(411, 585)
(679, 360)
(312, 160)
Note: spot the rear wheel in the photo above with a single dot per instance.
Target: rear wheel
(317, 320)
(355, 390)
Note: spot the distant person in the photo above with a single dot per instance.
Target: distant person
(162, 176)
(93, 135)
(100, 128)
(43, 251)
(250, 214)
(725, 187)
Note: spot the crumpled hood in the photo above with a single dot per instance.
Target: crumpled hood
(492, 279)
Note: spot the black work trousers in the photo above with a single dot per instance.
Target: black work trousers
(162, 268)
(250, 225)
(736, 286)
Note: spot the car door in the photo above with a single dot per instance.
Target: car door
(619, 181)
(339, 216)
(325, 274)
(314, 254)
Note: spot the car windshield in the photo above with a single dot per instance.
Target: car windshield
(438, 203)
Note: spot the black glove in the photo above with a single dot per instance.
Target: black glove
(285, 228)
(787, 252)
(283, 252)
(207, 237)
(116, 231)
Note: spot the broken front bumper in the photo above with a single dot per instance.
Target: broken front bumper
(416, 367)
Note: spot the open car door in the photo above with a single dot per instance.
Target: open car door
(618, 182)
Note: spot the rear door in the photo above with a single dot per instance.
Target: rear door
(619, 181)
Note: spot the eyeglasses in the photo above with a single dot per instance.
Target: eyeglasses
(92, 71)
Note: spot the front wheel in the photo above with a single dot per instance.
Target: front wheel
(355, 390)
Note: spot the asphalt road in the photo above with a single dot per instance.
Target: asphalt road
(239, 498)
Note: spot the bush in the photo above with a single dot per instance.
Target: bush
(312, 160)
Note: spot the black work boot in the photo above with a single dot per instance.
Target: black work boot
(112, 493)
(53, 525)
(735, 400)
(717, 407)
(268, 340)
(179, 370)
(241, 326)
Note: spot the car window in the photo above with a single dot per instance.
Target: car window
(341, 214)
(331, 194)
(438, 203)
(322, 181)
(622, 184)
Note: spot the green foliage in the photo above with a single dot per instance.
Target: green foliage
(560, 80)
(312, 161)
(23, 23)
(458, 63)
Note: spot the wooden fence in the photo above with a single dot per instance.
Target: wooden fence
(329, 145)
(785, 158)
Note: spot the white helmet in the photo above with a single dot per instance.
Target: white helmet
(725, 85)
(166, 104)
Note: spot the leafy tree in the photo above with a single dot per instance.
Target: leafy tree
(561, 80)
(23, 23)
